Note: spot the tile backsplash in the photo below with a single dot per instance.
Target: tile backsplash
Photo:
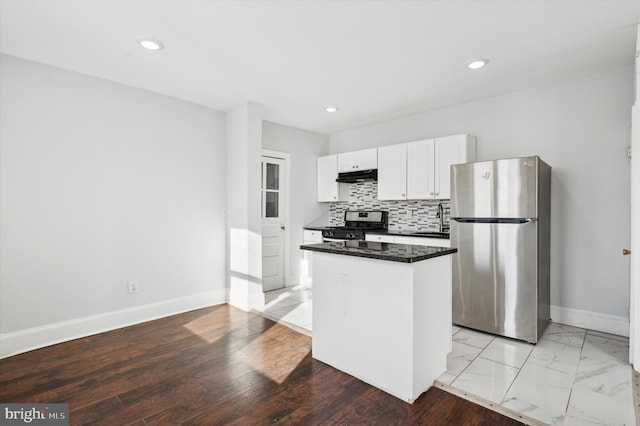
(413, 215)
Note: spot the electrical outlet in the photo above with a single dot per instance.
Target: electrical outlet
(132, 287)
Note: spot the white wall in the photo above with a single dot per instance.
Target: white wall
(103, 184)
(244, 128)
(304, 147)
(581, 129)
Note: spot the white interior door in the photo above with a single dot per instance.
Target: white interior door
(273, 223)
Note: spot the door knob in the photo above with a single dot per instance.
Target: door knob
(626, 252)
(282, 228)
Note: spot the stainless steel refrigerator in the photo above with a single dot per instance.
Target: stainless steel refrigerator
(500, 213)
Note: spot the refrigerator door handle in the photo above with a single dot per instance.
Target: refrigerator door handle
(494, 220)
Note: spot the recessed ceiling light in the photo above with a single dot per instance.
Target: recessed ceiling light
(150, 43)
(478, 64)
(331, 109)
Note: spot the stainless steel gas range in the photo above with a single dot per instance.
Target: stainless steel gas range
(356, 224)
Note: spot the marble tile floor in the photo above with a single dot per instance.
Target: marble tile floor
(571, 377)
(290, 305)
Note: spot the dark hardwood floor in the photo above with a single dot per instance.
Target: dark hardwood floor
(213, 366)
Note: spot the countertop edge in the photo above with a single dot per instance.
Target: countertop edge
(387, 257)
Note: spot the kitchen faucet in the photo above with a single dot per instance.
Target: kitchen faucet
(440, 215)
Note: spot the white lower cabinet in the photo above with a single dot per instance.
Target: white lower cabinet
(380, 238)
(423, 241)
(309, 236)
(417, 241)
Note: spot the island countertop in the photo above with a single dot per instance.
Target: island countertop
(405, 253)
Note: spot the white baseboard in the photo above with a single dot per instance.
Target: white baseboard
(605, 323)
(50, 334)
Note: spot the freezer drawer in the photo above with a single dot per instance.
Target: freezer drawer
(495, 278)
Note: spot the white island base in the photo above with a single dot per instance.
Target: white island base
(386, 323)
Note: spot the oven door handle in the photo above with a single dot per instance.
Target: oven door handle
(326, 240)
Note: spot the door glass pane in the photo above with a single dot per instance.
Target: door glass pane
(272, 204)
(273, 171)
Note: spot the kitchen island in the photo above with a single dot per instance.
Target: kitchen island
(382, 312)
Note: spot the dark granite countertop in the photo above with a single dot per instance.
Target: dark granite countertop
(405, 253)
(404, 233)
(316, 228)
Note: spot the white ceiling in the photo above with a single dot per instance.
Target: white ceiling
(375, 60)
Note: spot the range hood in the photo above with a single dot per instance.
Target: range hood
(358, 176)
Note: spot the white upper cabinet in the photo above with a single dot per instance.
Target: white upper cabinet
(456, 149)
(358, 160)
(429, 165)
(392, 172)
(420, 170)
(328, 189)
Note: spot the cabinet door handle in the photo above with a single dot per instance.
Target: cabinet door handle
(402, 195)
(431, 193)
